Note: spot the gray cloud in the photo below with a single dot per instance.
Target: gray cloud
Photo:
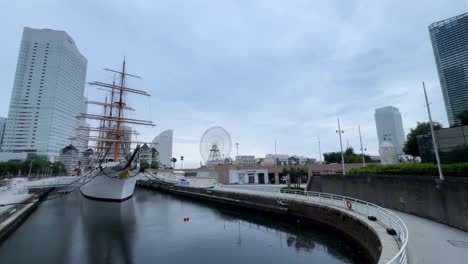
(265, 69)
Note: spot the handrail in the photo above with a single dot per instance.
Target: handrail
(384, 216)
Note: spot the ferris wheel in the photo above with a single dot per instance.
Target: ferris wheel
(215, 145)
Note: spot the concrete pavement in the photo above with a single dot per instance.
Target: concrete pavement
(432, 242)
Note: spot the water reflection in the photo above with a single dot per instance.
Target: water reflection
(150, 229)
(108, 231)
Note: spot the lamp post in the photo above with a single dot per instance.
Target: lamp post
(339, 131)
(434, 141)
(237, 153)
(362, 149)
(320, 151)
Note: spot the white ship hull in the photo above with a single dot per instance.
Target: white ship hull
(109, 186)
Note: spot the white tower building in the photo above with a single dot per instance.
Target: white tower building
(163, 144)
(47, 94)
(390, 127)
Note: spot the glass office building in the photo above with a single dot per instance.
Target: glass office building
(450, 44)
(47, 95)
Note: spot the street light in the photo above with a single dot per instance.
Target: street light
(320, 151)
(434, 141)
(237, 153)
(339, 131)
(362, 149)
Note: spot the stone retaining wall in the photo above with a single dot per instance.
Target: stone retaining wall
(424, 196)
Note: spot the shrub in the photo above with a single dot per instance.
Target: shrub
(455, 169)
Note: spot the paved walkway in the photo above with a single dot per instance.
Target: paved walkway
(432, 242)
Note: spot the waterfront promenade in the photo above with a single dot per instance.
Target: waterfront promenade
(429, 242)
(433, 243)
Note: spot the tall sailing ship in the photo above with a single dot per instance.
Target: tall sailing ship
(112, 176)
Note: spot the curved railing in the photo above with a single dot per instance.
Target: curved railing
(384, 216)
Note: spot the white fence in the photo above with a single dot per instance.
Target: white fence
(53, 182)
(384, 217)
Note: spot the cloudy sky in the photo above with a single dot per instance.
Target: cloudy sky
(264, 70)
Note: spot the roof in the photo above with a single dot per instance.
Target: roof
(69, 148)
(145, 146)
(446, 21)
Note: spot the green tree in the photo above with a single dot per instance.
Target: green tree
(154, 165)
(173, 160)
(411, 144)
(144, 166)
(35, 164)
(296, 172)
(463, 117)
(349, 157)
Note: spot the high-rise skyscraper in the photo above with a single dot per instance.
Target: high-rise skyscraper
(450, 44)
(390, 127)
(47, 94)
(2, 130)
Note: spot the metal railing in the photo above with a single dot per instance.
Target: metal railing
(385, 217)
(8, 210)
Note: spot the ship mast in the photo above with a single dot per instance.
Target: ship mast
(111, 131)
(119, 107)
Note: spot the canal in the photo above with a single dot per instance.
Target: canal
(150, 228)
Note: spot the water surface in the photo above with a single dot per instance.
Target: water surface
(149, 228)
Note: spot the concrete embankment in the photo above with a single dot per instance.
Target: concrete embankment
(352, 226)
(13, 215)
(425, 196)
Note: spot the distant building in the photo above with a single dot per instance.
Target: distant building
(163, 144)
(388, 154)
(148, 155)
(281, 159)
(300, 160)
(257, 174)
(244, 160)
(251, 176)
(284, 159)
(87, 157)
(450, 44)
(390, 127)
(13, 156)
(47, 95)
(2, 130)
(448, 139)
(70, 158)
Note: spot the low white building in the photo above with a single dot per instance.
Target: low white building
(257, 176)
(148, 155)
(245, 160)
(269, 159)
(70, 158)
(87, 157)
